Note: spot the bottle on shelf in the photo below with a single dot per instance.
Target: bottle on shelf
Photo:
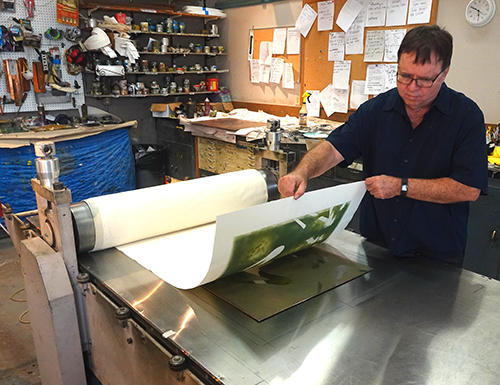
(303, 111)
(207, 107)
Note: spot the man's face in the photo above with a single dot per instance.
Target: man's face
(416, 97)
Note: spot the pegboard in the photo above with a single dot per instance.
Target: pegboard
(45, 17)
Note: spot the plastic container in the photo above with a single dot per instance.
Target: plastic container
(212, 84)
(150, 169)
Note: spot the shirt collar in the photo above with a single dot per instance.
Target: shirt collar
(442, 101)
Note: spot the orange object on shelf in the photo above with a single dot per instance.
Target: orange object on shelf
(212, 84)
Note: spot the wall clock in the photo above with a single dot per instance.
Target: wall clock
(480, 12)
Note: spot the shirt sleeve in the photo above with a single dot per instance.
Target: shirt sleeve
(470, 161)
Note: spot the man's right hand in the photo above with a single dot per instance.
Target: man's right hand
(292, 184)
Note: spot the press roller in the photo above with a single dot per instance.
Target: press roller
(122, 218)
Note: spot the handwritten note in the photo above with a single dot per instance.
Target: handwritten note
(288, 76)
(341, 74)
(265, 53)
(358, 95)
(420, 11)
(336, 43)
(276, 70)
(393, 39)
(326, 98)
(306, 19)
(325, 15)
(391, 71)
(348, 13)
(340, 100)
(264, 73)
(375, 77)
(396, 12)
(254, 71)
(374, 48)
(355, 34)
(279, 38)
(292, 41)
(375, 13)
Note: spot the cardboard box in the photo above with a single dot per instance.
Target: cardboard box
(164, 110)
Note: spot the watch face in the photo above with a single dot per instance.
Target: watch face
(479, 12)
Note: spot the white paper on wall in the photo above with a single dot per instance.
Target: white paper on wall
(325, 15)
(305, 20)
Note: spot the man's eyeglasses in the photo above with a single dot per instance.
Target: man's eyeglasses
(420, 82)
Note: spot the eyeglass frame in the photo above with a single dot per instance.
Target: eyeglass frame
(418, 79)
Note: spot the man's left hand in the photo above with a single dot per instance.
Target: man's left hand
(383, 186)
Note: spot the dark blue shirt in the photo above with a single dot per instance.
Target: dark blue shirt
(449, 142)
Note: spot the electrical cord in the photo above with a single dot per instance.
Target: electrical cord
(12, 298)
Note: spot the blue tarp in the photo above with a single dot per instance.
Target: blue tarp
(92, 166)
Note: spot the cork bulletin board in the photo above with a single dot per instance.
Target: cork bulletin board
(317, 71)
(267, 34)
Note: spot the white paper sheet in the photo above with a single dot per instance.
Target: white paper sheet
(288, 81)
(264, 73)
(254, 70)
(200, 255)
(348, 13)
(128, 216)
(276, 70)
(354, 36)
(312, 103)
(419, 12)
(391, 71)
(292, 41)
(306, 19)
(341, 74)
(396, 12)
(279, 38)
(374, 49)
(393, 39)
(325, 15)
(265, 52)
(375, 76)
(326, 97)
(336, 46)
(358, 95)
(340, 100)
(375, 13)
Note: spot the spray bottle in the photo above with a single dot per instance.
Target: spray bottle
(303, 111)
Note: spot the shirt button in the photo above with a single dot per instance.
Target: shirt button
(406, 160)
(393, 239)
(411, 140)
(395, 220)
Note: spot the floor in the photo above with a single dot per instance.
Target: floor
(18, 365)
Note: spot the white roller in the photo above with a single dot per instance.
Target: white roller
(139, 214)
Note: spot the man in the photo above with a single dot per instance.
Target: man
(423, 150)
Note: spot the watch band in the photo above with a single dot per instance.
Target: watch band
(404, 186)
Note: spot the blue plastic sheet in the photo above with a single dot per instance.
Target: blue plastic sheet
(92, 166)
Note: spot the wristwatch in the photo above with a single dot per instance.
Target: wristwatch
(404, 186)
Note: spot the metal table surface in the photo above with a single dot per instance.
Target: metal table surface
(406, 322)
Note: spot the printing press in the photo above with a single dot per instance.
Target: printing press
(101, 313)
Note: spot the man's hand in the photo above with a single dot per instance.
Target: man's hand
(293, 184)
(383, 186)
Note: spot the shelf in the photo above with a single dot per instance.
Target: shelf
(182, 54)
(175, 34)
(163, 73)
(149, 95)
(153, 9)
